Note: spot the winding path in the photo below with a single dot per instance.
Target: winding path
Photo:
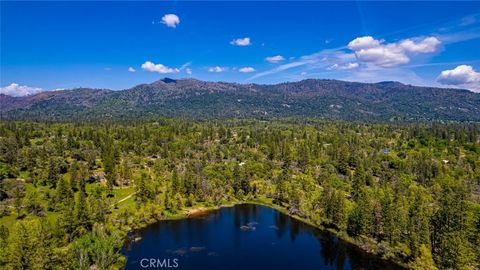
(124, 199)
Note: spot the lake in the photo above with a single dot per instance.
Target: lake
(245, 236)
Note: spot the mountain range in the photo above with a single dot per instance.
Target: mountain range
(190, 98)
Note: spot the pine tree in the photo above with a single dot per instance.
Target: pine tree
(4, 234)
(53, 173)
(99, 247)
(389, 218)
(82, 219)
(98, 205)
(33, 203)
(424, 261)
(190, 200)
(360, 219)
(21, 246)
(282, 189)
(237, 178)
(177, 183)
(144, 192)
(178, 202)
(451, 231)
(418, 224)
(64, 194)
(74, 173)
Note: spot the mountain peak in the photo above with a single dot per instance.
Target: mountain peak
(331, 99)
(390, 83)
(168, 80)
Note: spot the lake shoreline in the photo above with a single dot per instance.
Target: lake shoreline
(191, 212)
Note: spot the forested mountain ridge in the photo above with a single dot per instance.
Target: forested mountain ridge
(330, 99)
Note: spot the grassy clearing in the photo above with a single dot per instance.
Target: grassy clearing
(119, 194)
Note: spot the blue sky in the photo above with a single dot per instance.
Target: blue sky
(116, 45)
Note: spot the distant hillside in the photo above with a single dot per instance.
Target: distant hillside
(330, 99)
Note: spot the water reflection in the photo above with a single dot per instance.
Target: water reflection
(247, 237)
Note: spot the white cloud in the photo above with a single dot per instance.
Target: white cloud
(241, 41)
(370, 50)
(278, 69)
(171, 20)
(216, 69)
(152, 67)
(376, 54)
(379, 59)
(363, 43)
(427, 45)
(346, 66)
(463, 75)
(185, 67)
(321, 59)
(131, 69)
(16, 90)
(247, 69)
(275, 59)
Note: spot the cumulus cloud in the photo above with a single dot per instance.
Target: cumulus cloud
(370, 50)
(346, 66)
(131, 69)
(16, 90)
(426, 45)
(247, 69)
(170, 20)
(188, 71)
(216, 69)
(275, 59)
(159, 68)
(463, 76)
(363, 43)
(241, 42)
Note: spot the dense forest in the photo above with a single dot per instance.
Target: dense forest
(70, 192)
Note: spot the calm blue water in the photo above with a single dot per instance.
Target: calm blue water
(244, 237)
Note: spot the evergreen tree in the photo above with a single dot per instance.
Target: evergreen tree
(418, 224)
(360, 218)
(82, 220)
(4, 233)
(424, 261)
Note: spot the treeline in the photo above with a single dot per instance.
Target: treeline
(407, 192)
